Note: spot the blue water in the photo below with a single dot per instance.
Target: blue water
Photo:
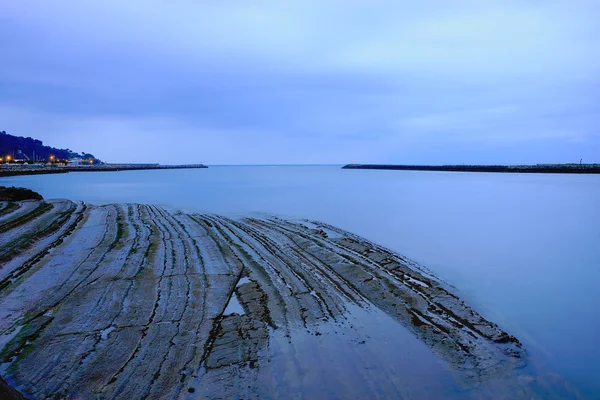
(524, 249)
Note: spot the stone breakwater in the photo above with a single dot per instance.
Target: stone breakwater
(9, 170)
(532, 169)
(135, 301)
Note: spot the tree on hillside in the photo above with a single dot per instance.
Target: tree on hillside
(35, 149)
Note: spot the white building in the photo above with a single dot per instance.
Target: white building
(78, 161)
(20, 157)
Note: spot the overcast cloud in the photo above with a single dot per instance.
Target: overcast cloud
(268, 82)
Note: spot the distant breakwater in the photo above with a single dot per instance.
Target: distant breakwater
(538, 168)
(39, 170)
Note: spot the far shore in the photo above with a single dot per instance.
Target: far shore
(537, 168)
(16, 170)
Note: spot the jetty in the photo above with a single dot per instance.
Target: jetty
(25, 169)
(532, 169)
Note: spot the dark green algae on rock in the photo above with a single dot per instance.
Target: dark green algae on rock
(7, 392)
(18, 194)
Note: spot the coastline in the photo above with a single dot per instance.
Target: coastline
(6, 171)
(535, 169)
(164, 303)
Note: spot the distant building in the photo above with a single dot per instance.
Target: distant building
(78, 161)
(20, 157)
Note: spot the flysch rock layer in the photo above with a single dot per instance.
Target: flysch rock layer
(134, 301)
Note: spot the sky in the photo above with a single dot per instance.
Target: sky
(306, 82)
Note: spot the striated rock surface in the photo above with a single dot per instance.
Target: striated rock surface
(134, 301)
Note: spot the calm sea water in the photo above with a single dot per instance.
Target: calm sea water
(524, 249)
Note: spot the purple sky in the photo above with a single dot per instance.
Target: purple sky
(262, 82)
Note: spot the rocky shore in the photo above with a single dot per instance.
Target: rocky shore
(7, 392)
(17, 194)
(136, 301)
(536, 169)
(16, 170)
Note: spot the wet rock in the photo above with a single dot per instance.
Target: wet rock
(18, 194)
(7, 392)
(133, 299)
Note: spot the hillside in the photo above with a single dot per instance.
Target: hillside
(12, 145)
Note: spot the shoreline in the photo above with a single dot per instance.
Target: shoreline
(165, 303)
(6, 171)
(536, 169)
